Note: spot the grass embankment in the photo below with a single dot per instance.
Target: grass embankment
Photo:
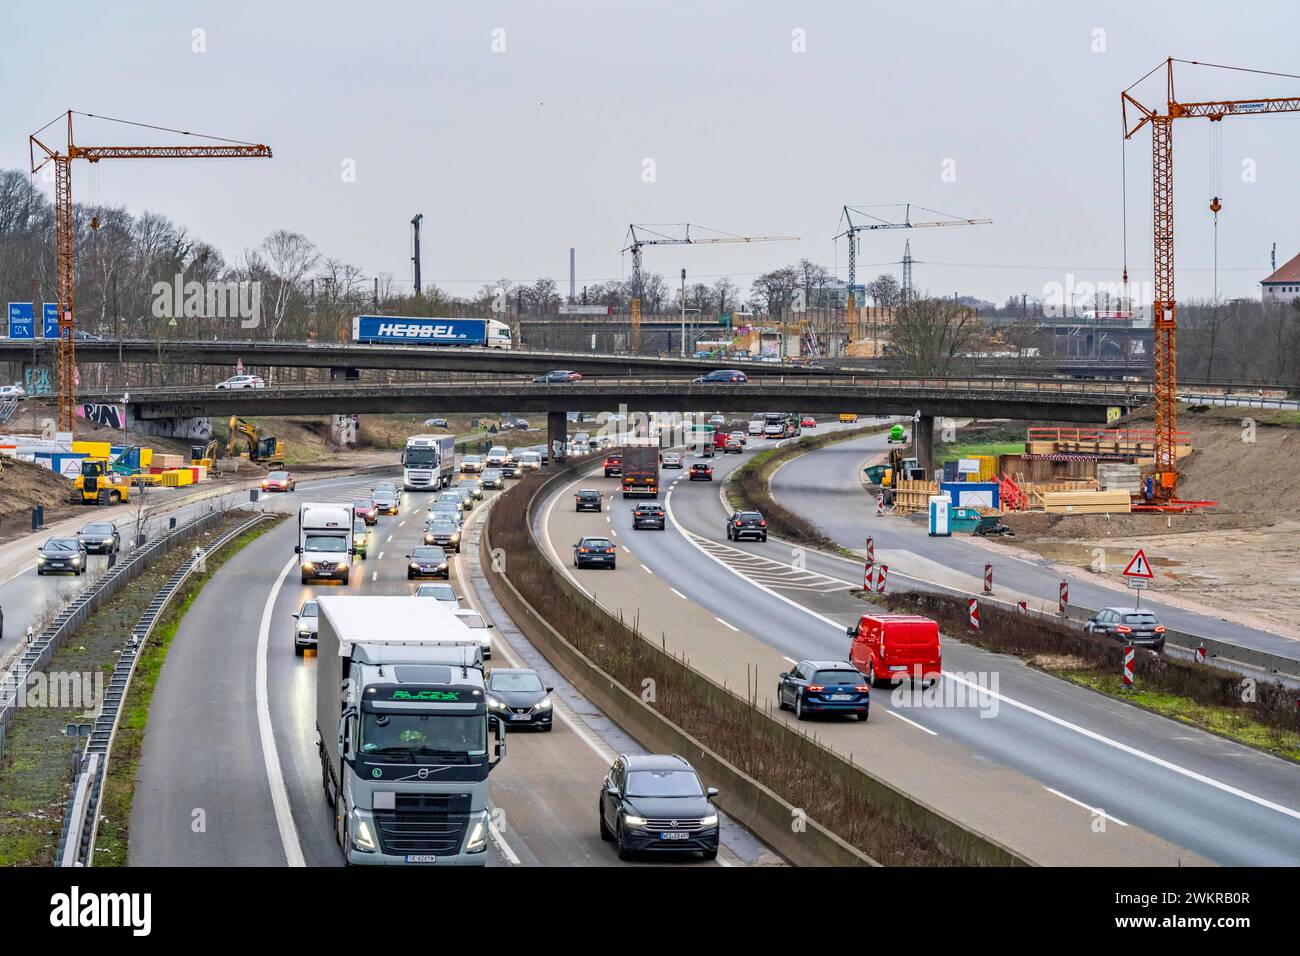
(1256, 712)
(749, 487)
(793, 765)
(128, 744)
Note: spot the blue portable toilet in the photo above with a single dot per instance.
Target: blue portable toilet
(940, 516)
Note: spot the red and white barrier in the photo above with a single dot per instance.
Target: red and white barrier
(1064, 599)
(1128, 665)
(974, 614)
(881, 571)
(871, 551)
(988, 579)
(1024, 607)
(869, 577)
(1200, 653)
(880, 503)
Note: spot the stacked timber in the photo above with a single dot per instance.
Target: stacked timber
(1087, 502)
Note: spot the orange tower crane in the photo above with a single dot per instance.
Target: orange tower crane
(64, 227)
(1164, 317)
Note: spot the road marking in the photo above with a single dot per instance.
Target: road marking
(374, 575)
(679, 594)
(644, 568)
(625, 548)
(402, 522)
(732, 626)
(390, 538)
(1096, 811)
(501, 842)
(908, 720)
(275, 776)
(381, 556)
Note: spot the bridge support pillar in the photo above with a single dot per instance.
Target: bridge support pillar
(557, 435)
(923, 443)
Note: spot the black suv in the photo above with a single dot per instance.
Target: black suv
(655, 803)
(649, 514)
(1135, 626)
(746, 524)
(587, 500)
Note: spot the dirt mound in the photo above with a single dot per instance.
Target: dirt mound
(1243, 468)
(27, 485)
(1034, 525)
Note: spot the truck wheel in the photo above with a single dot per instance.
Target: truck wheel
(305, 579)
(346, 575)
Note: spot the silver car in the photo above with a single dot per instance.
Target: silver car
(304, 632)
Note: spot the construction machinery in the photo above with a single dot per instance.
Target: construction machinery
(204, 455)
(65, 227)
(102, 482)
(1160, 493)
(681, 237)
(264, 449)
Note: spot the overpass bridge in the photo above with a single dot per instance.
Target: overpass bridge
(1033, 400)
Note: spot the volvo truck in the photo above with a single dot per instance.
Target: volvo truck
(403, 732)
(325, 545)
(428, 462)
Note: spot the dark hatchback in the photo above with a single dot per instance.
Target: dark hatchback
(594, 553)
(428, 561)
(61, 554)
(100, 537)
(747, 524)
(649, 514)
(730, 375)
(586, 500)
(655, 803)
(519, 697)
(1130, 625)
(701, 472)
(824, 687)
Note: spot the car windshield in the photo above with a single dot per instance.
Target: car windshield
(443, 592)
(61, 544)
(278, 475)
(442, 527)
(750, 516)
(589, 494)
(472, 620)
(428, 554)
(309, 609)
(361, 502)
(663, 783)
(360, 528)
(97, 529)
(473, 459)
(596, 543)
(530, 456)
(491, 473)
(837, 677)
(423, 734)
(514, 682)
(1141, 620)
(652, 508)
(325, 542)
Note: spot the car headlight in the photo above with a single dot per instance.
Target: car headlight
(76, 559)
(308, 566)
(710, 821)
(40, 559)
(107, 541)
(631, 821)
(362, 839)
(495, 704)
(304, 632)
(415, 566)
(543, 704)
(477, 841)
(455, 537)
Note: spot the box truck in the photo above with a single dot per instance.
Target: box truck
(640, 470)
(428, 462)
(402, 728)
(324, 542)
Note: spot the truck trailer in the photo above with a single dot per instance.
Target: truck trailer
(428, 462)
(402, 729)
(640, 470)
(325, 545)
(412, 330)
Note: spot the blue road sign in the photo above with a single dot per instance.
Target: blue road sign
(50, 319)
(22, 320)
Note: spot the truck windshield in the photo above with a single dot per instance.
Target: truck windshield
(420, 457)
(325, 542)
(424, 734)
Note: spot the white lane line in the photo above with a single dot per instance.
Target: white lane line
(390, 538)
(501, 842)
(374, 575)
(607, 519)
(275, 776)
(732, 626)
(908, 720)
(646, 570)
(381, 556)
(401, 523)
(1052, 718)
(1095, 811)
(790, 659)
(679, 594)
(626, 548)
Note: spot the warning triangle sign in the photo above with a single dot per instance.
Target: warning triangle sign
(1138, 566)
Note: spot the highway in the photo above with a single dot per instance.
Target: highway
(1035, 771)
(231, 730)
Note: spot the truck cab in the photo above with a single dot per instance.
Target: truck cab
(325, 543)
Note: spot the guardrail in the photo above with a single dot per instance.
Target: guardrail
(81, 819)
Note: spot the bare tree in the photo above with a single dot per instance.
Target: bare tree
(289, 257)
(930, 334)
(884, 290)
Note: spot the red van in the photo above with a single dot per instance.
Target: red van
(886, 646)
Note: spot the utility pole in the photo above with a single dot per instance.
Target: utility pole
(415, 256)
(573, 273)
(682, 346)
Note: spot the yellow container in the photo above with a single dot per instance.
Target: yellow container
(146, 457)
(92, 449)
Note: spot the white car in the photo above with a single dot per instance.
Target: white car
(756, 427)
(243, 381)
(530, 460)
(305, 625)
(444, 594)
(475, 622)
(12, 391)
(497, 456)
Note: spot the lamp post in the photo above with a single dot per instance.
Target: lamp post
(682, 344)
(126, 397)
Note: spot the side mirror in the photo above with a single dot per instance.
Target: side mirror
(491, 625)
(549, 689)
(295, 615)
(851, 631)
(297, 549)
(783, 675)
(611, 789)
(711, 792)
(408, 555)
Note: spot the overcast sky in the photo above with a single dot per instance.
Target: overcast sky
(759, 118)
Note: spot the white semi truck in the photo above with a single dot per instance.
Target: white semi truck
(428, 462)
(403, 726)
(324, 542)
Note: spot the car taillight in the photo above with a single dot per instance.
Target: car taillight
(1160, 628)
(763, 523)
(1124, 629)
(737, 522)
(582, 550)
(863, 688)
(816, 687)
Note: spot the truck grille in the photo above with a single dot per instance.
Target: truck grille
(430, 823)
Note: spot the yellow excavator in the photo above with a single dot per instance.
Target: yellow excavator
(264, 449)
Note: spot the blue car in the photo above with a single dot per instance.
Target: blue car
(824, 687)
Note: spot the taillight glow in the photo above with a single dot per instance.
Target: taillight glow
(1124, 629)
(1160, 628)
(816, 687)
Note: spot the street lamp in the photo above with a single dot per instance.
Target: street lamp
(126, 397)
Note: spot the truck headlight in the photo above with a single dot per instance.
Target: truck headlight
(477, 841)
(362, 839)
(631, 821)
(308, 566)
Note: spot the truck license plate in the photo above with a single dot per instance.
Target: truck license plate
(420, 858)
(674, 836)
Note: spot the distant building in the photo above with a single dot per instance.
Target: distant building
(1283, 285)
